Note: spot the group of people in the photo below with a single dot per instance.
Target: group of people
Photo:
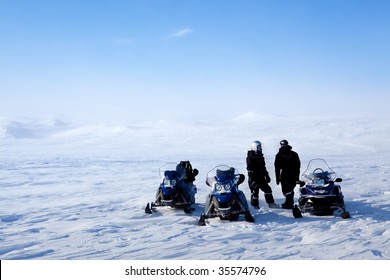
(287, 169)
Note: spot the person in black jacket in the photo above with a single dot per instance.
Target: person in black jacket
(287, 168)
(258, 177)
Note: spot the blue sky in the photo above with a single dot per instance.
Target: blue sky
(148, 59)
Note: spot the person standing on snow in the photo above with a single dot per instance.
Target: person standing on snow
(287, 169)
(258, 177)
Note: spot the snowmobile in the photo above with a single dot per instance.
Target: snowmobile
(225, 199)
(175, 189)
(320, 194)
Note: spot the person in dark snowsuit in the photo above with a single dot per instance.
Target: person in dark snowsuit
(287, 169)
(187, 185)
(258, 177)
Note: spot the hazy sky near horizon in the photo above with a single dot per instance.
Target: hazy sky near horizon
(129, 59)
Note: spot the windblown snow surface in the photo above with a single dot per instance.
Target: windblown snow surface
(78, 191)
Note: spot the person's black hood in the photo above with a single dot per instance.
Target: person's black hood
(285, 148)
(253, 153)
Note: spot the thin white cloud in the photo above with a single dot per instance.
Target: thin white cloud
(182, 32)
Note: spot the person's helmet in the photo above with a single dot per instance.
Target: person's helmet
(256, 146)
(283, 143)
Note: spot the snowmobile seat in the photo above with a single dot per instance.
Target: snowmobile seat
(170, 174)
(224, 175)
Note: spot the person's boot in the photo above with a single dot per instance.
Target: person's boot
(248, 217)
(202, 220)
(269, 198)
(255, 202)
(289, 203)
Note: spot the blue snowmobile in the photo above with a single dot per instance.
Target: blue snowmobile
(320, 194)
(225, 200)
(176, 189)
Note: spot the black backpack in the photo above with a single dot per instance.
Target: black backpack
(190, 173)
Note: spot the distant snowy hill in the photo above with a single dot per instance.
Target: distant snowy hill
(72, 191)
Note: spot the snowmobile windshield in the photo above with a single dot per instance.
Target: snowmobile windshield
(318, 171)
(172, 171)
(222, 174)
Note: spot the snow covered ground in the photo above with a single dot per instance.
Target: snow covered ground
(73, 191)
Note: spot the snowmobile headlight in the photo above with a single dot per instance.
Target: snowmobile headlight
(169, 183)
(218, 187)
(227, 187)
